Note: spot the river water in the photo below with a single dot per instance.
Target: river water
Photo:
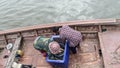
(20, 13)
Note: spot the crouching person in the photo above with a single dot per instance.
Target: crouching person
(67, 33)
(41, 43)
(49, 47)
(56, 50)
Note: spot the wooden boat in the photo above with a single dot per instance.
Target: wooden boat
(99, 48)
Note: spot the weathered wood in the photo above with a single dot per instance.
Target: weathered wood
(6, 42)
(19, 34)
(100, 28)
(84, 32)
(36, 32)
(12, 55)
(2, 46)
(109, 42)
(87, 22)
(89, 31)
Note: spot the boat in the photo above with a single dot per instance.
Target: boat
(98, 49)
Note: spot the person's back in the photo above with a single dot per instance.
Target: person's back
(70, 34)
(41, 44)
(67, 33)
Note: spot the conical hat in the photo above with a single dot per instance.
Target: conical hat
(54, 47)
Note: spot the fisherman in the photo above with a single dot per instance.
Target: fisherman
(53, 49)
(56, 50)
(41, 43)
(73, 36)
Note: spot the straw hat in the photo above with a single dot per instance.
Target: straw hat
(54, 47)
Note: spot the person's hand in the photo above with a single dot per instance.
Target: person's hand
(44, 54)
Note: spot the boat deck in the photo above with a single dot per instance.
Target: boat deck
(87, 54)
(85, 58)
(2, 59)
(110, 48)
(33, 57)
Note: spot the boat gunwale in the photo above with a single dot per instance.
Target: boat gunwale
(79, 22)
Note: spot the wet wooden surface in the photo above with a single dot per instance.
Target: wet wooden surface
(32, 56)
(10, 60)
(86, 22)
(87, 56)
(110, 41)
(2, 59)
(86, 59)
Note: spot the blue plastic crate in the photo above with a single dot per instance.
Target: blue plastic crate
(60, 63)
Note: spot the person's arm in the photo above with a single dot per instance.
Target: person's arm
(62, 36)
(71, 44)
(43, 53)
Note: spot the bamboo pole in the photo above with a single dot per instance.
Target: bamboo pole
(12, 55)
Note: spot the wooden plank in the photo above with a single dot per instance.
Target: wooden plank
(89, 32)
(6, 42)
(109, 42)
(36, 32)
(87, 22)
(2, 46)
(29, 36)
(117, 20)
(100, 28)
(12, 55)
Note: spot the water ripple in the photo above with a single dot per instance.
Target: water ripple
(19, 13)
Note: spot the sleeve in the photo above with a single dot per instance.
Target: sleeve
(61, 34)
(71, 44)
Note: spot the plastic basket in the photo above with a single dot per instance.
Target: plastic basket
(60, 63)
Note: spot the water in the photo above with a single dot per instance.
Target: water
(20, 13)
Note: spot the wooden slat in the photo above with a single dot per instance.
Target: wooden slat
(100, 28)
(6, 42)
(29, 36)
(118, 20)
(2, 46)
(36, 32)
(109, 42)
(12, 55)
(87, 22)
(84, 32)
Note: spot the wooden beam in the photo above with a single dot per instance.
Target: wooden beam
(36, 32)
(88, 32)
(118, 20)
(100, 28)
(2, 46)
(6, 42)
(10, 60)
(83, 32)
(87, 22)
(19, 34)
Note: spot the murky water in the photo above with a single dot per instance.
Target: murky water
(19, 13)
